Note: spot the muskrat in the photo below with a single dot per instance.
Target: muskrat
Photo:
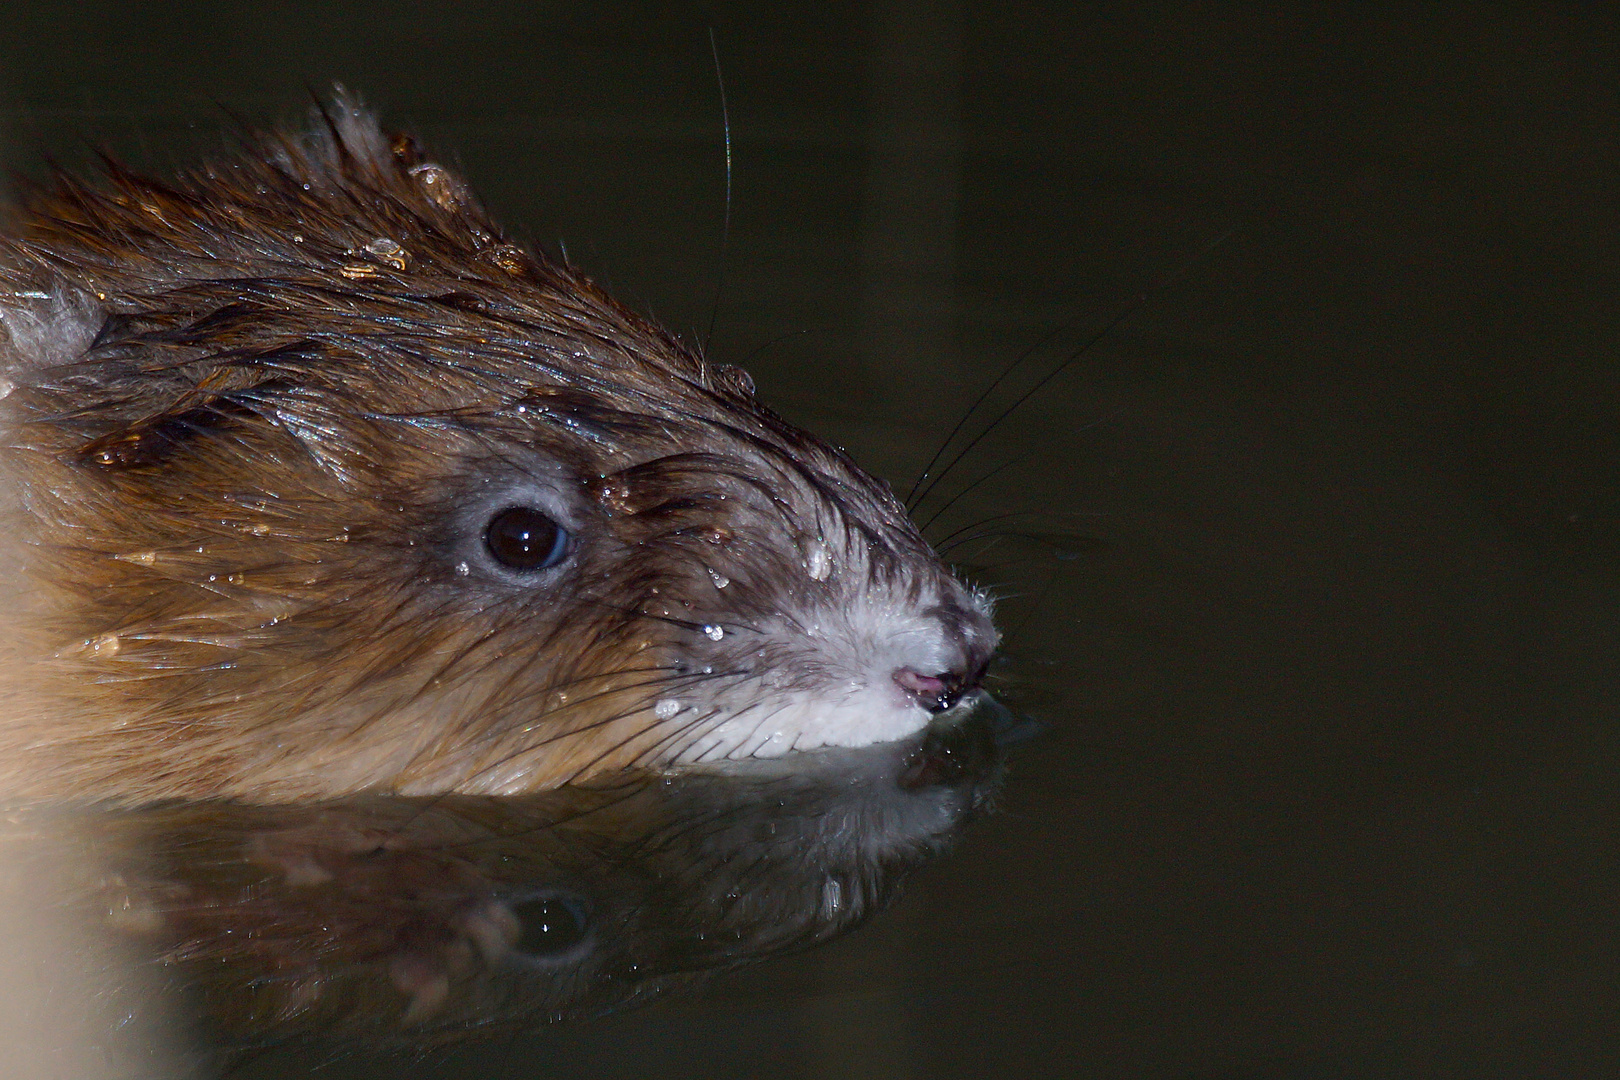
(315, 484)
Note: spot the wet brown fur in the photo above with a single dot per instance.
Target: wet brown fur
(251, 409)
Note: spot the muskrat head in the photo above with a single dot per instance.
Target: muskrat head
(316, 484)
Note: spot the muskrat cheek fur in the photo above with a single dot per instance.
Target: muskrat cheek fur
(261, 426)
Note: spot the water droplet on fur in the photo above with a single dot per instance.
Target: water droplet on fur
(437, 185)
(832, 897)
(6, 387)
(463, 569)
(389, 251)
(615, 496)
(666, 708)
(714, 632)
(817, 561)
(509, 257)
(720, 580)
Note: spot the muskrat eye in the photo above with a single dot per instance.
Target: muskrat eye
(551, 925)
(522, 538)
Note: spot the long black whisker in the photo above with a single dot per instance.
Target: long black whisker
(688, 679)
(994, 534)
(984, 394)
(671, 673)
(954, 499)
(494, 735)
(744, 711)
(1009, 534)
(685, 725)
(684, 624)
(686, 728)
(1009, 564)
(725, 229)
(775, 341)
(949, 539)
(681, 678)
(1028, 616)
(604, 722)
(1085, 347)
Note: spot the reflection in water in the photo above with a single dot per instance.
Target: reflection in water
(417, 921)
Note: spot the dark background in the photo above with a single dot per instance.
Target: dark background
(1323, 610)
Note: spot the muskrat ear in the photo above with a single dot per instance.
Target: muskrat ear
(60, 345)
(44, 327)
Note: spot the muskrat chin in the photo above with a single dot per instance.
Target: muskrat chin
(313, 483)
(726, 692)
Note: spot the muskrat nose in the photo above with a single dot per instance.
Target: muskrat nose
(936, 693)
(969, 641)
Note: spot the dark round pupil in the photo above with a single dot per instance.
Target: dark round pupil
(550, 926)
(525, 539)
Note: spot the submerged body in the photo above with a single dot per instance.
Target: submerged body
(315, 485)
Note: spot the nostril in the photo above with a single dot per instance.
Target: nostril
(933, 692)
